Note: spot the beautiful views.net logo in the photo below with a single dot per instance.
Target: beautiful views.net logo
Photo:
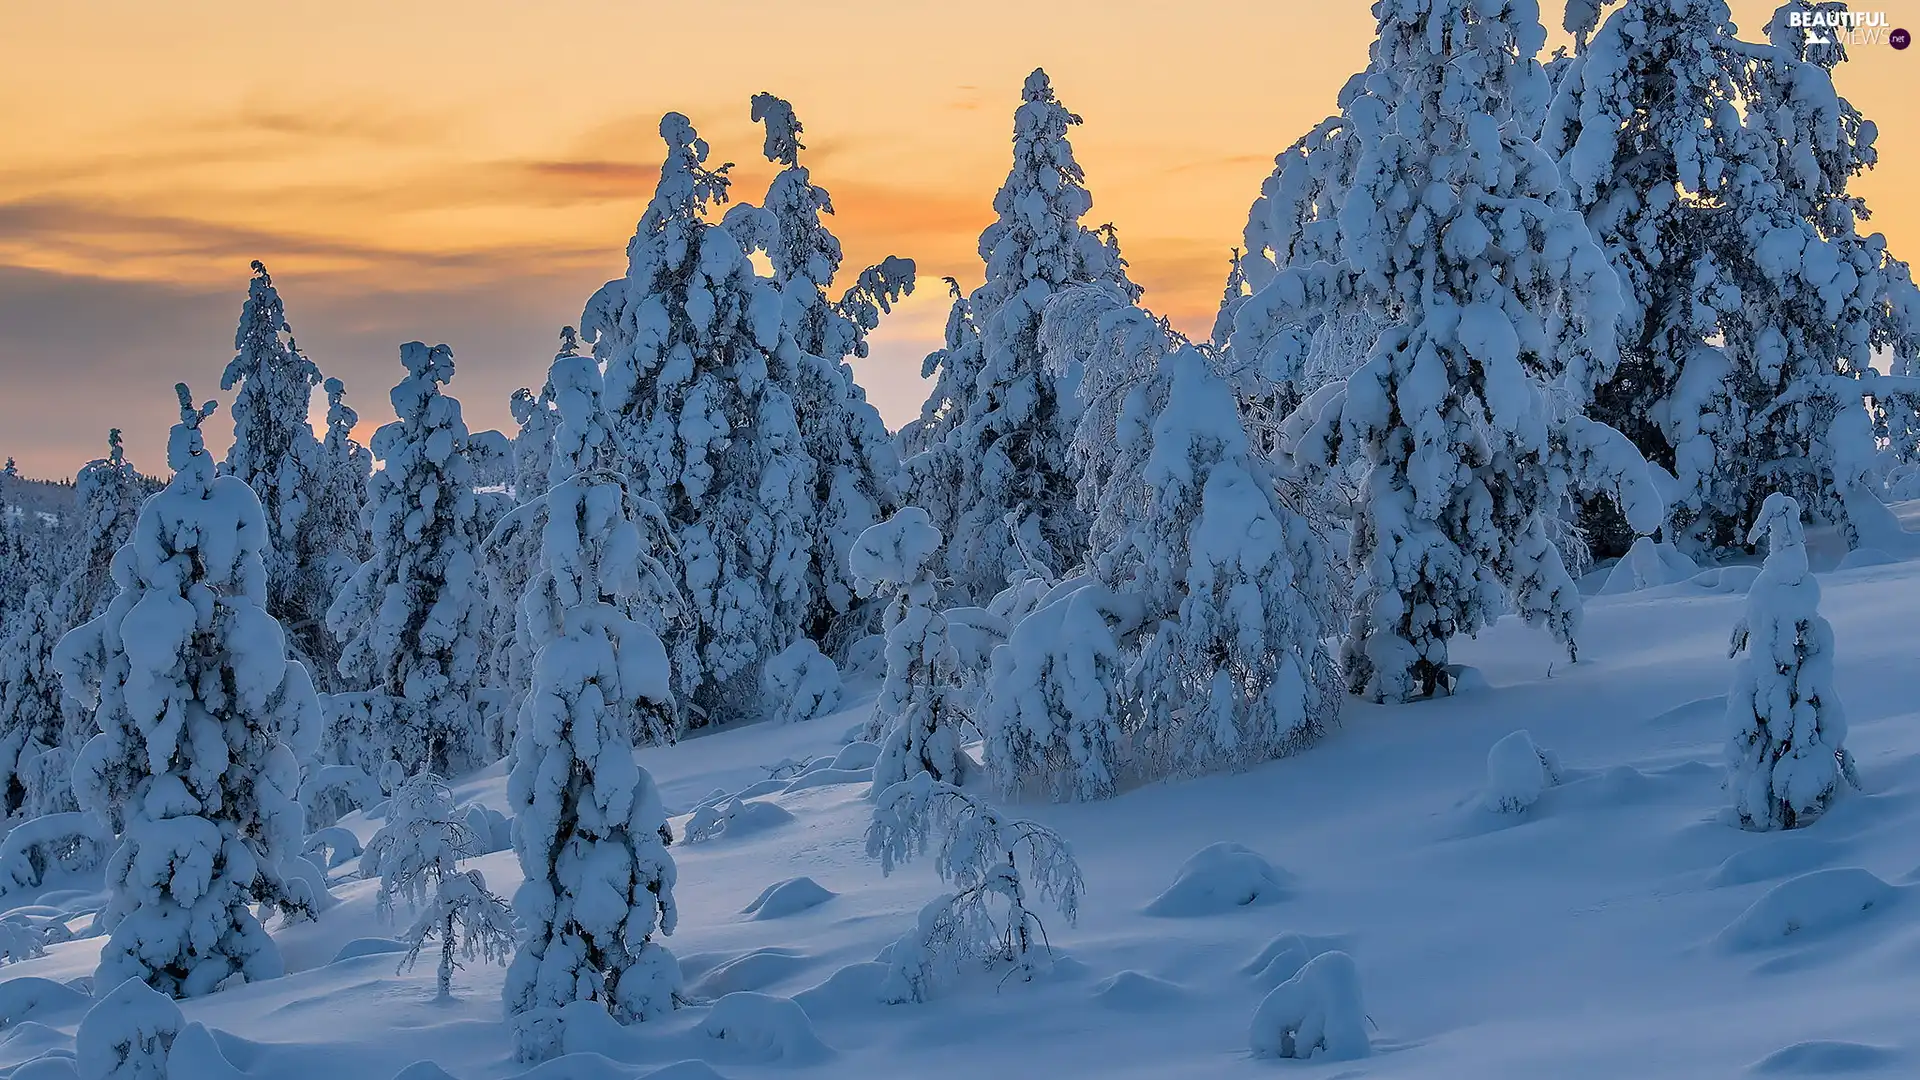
(1831, 27)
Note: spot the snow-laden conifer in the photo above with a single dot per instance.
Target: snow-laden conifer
(275, 452)
(697, 356)
(1786, 744)
(916, 713)
(856, 470)
(416, 856)
(107, 494)
(201, 715)
(36, 760)
(1006, 454)
(410, 617)
(589, 828)
(1499, 329)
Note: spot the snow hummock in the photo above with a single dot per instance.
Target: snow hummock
(1220, 877)
(1317, 1013)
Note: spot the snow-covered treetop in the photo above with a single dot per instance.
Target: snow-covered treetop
(274, 376)
(186, 448)
(1038, 234)
(783, 143)
(686, 186)
(1779, 522)
(897, 552)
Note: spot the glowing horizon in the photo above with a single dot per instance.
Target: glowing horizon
(471, 173)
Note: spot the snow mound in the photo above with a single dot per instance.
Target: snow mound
(1648, 564)
(423, 1070)
(1860, 558)
(849, 987)
(492, 830)
(801, 683)
(341, 846)
(579, 1065)
(1220, 877)
(1518, 773)
(1824, 1057)
(368, 946)
(1777, 857)
(1317, 1013)
(685, 1070)
(1821, 901)
(827, 778)
(770, 1028)
(735, 819)
(749, 971)
(1135, 991)
(1725, 579)
(28, 997)
(789, 897)
(49, 1066)
(1285, 955)
(127, 1034)
(856, 756)
(196, 1054)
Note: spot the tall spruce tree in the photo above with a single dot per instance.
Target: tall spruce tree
(1005, 457)
(1500, 312)
(202, 719)
(410, 617)
(856, 470)
(697, 357)
(274, 452)
(589, 827)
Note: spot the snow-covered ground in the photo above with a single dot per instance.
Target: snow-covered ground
(1621, 926)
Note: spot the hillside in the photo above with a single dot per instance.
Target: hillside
(1620, 924)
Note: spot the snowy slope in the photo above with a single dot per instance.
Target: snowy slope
(1606, 931)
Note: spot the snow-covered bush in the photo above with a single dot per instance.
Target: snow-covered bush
(127, 1033)
(1316, 1014)
(698, 359)
(1786, 745)
(1055, 699)
(411, 617)
(801, 683)
(1518, 773)
(589, 828)
(915, 715)
(20, 940)
(1232, 669)
(984, 855)
(202, 721)
(72, 843)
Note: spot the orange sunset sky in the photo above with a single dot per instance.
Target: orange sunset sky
(470, 172)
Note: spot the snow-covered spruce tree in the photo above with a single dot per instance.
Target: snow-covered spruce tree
(1280, 342)
(589, 827)
(36, 764)
(856, 470)
(953, 367)
(1008, 449)
(1494, 293)
(349, 466)
(410, 618)
(697, 356)
(915, 715)
(1715, 172)
(274, 451)
(107, 494)
(512, 552)
(416, 855)
(201, 716)
(1235, 583)
(984, 855)
(1786, 745)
